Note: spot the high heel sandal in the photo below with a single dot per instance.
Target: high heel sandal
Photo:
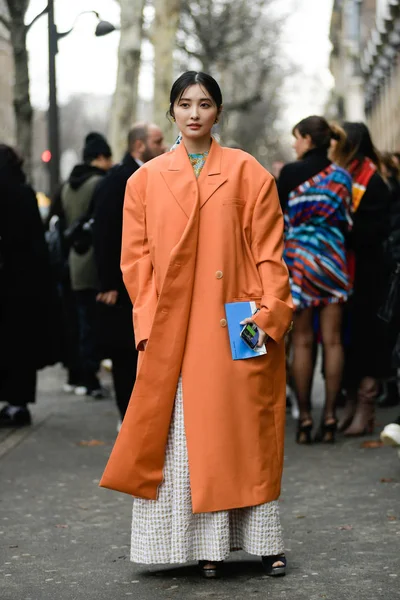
(269, 561)
(210, 569)
(326, 433)
(303, 434)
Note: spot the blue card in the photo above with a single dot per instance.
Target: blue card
(235, 313)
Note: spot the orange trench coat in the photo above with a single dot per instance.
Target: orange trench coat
(189, 246)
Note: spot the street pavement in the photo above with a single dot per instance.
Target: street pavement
(64, 538)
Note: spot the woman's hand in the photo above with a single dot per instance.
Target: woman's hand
(262, 336)
(110, 298)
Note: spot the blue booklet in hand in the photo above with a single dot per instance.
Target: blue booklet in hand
(235, 313)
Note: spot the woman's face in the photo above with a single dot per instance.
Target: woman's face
(301, 144)
(195, 113)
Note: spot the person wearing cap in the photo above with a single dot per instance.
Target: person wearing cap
(76, 202)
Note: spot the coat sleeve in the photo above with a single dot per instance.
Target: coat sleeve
(137, 266)
(107, 232)
(276, 311)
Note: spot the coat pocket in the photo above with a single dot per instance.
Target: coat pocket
(233, 202)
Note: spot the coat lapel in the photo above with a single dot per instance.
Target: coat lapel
(211, 178)
(181, 181)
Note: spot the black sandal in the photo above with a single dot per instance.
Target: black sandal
(303, 435)
(270, 570)
(326, 433)
(210, 569)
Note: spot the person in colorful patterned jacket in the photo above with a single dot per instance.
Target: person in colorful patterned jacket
(315, 195)
(368, 354)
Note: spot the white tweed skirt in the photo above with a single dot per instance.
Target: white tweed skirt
(166, 530)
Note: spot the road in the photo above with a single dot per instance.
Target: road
(64, 538)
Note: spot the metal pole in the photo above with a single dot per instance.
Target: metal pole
(53, 123)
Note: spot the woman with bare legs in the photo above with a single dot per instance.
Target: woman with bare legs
(315, 195)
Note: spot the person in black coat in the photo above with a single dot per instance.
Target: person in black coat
(367, 359)
(390, 310)
(30, 337)
(114, 323)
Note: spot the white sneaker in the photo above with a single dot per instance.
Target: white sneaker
(390, 436)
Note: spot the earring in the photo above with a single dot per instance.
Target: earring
(174, 120)
(216, 120)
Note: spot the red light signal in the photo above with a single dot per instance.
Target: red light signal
(46, 156)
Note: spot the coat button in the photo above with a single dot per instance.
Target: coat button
(219, 274)
(223, 322)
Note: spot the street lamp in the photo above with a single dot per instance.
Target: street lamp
(103, 28)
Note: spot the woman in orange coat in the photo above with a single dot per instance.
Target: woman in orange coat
(201, 445)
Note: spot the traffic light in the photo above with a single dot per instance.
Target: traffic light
(46, 156)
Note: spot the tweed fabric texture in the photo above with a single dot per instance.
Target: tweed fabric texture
(166, 531)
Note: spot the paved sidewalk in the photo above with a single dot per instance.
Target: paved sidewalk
(63, 538)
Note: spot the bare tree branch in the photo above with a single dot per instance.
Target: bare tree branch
(243, 105)
(238, 43)
(192, 53)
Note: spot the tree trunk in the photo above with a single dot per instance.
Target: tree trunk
(22, 103)
(164, 30)
(126, 90)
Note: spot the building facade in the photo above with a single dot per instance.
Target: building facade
(365, 63)
(347, 102)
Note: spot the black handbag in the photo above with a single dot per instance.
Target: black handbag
(79, 235)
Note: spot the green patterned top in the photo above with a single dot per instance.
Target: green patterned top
(198, 161)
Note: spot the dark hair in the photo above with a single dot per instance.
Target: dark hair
(10, 164)
(317, 128)
(9, 159)
(359, 143)
(95, 145)
(192, 78)
(138, 131)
